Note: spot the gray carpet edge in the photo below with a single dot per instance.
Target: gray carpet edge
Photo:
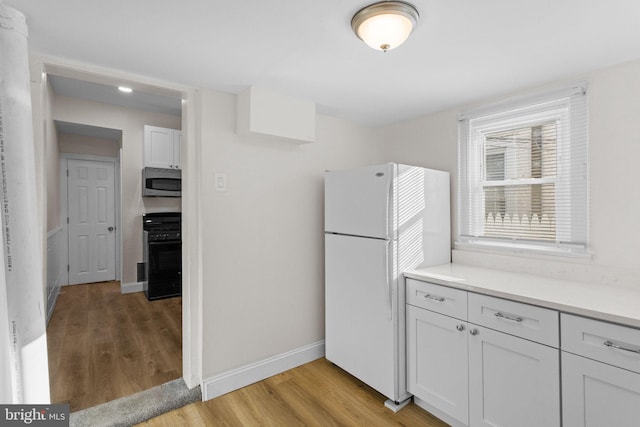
(137, 408)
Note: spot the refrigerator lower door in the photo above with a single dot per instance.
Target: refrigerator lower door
(360, 322)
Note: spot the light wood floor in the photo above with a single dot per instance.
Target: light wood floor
(315, 394)
(104, 345)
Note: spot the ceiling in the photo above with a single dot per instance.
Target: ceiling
(461, 51)
(92, 91)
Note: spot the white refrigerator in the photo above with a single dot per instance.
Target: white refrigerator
(379, 221)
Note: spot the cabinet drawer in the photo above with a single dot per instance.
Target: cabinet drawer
(441, 299)
(515, 318)
(613, 344)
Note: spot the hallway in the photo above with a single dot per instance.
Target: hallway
(103, 345)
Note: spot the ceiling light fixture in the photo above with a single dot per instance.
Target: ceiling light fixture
(125, 89)
(385, 25)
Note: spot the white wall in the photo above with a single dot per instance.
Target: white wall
(614, 152)
(263, 245)
(131, 122)
(80, 144)
(52, 163)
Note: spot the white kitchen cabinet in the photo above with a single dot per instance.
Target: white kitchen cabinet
(481, 374)
(600, 373)
(162, 147)
(437, 366)
(513, 382)
(595, 394)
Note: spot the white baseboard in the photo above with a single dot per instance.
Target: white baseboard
(249, 374)
(128, 288)
(51, 303)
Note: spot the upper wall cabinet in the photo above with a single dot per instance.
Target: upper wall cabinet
(162, 147)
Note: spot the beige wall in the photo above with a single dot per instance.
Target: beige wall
(52, 162)
(263, 244)
(131, 122)
(80, 144)
(613, 155)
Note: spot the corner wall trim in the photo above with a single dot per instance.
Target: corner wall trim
(56, 267)
(258, 371)
(128, 288)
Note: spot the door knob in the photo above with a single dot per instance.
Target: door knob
(110, 228)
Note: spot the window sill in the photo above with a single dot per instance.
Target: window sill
(523, 250)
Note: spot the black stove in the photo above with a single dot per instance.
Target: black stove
(162, 253)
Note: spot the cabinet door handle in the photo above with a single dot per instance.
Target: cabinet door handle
(507, 317)
(611, 344)
(460, 327)
(433, 298)
(474, 331)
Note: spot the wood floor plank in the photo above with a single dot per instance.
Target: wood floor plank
(314, 394)
(104, 345)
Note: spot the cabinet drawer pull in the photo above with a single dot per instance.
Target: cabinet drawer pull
(433, 298)
(474, 332)
(460, 327)
(611, 344)
(507, 317)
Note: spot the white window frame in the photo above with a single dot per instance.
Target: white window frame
(527, 111)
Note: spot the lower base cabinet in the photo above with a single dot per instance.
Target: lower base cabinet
(600, 373)
(595, 394)
(513, 382)
(437, 366)
(470, 375)
(474, 376)
(479, 361)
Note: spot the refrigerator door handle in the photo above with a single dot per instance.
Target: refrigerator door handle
(387, 275)
(389, 209)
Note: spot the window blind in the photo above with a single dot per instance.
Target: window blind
(523, 173)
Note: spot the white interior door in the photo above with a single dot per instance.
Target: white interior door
(358, 201)
(91, 211)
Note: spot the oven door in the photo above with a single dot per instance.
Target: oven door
(164, 269)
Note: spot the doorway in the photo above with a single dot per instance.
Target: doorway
(42, 109)
(129, 319)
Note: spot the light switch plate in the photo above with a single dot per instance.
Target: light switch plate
(220, 181)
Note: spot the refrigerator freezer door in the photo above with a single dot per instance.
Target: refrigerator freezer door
(358, 201)
(361, 325)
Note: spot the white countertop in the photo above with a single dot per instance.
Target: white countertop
(610, 303)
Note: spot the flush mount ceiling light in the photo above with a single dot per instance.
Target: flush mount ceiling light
(125, 89)
(385, 25)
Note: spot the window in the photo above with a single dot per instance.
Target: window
(523, 174)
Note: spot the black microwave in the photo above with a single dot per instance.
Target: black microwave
(159, 182)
